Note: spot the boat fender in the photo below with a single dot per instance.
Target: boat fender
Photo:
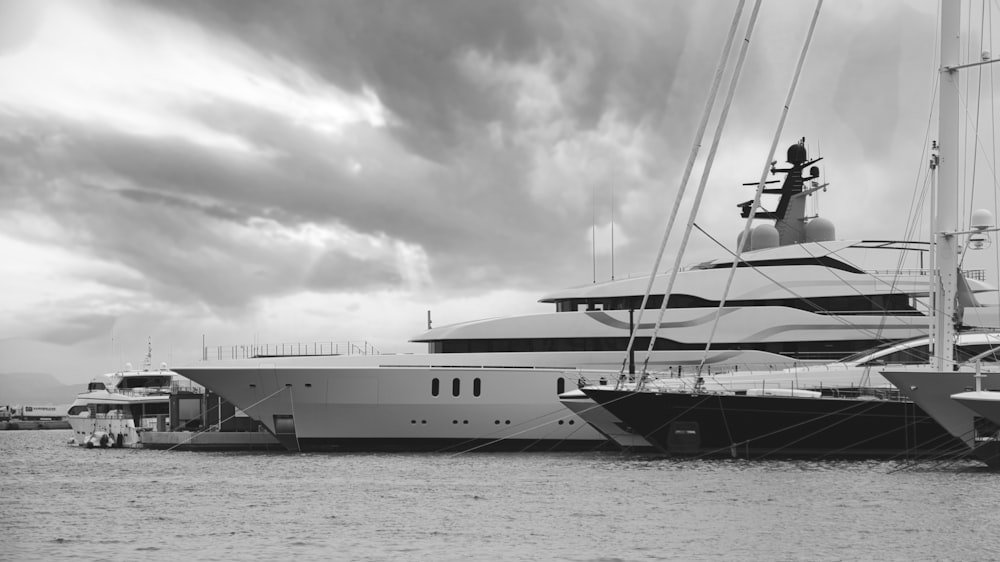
(119, 441)
(104, 440)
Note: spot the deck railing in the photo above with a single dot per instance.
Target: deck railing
(297, 349)
(977, 274)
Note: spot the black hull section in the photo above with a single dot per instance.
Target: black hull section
(780, 427)
(442, 445)
(988, 452)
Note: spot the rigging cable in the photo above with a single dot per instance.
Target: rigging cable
(734, 80)
(993, 144)
(763, 178)
(863, 329)
(696, 145)
(248, 409)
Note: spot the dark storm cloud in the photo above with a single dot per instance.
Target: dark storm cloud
(504, 120)
(436, 181)
(406, 52)
(615, 59)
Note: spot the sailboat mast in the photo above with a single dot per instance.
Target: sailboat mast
(946, 221)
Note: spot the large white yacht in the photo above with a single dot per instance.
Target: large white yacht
(798, 295)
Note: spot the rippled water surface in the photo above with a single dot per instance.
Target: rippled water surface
(62, 502)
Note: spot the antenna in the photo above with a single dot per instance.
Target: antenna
(612, 231)
(815, 200)
(593, 233)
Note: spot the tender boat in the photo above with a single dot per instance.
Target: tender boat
(986, 403)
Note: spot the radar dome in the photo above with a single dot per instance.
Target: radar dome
(796, 154)
(820, 230)
(739, 242)
(763, 236)
(982, 219)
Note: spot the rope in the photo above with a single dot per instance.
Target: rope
(195, 434)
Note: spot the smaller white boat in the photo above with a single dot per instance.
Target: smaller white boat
(118, 407)
(986, 403)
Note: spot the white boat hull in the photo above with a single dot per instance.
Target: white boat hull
(395, 408)
(986, 403)
(932, 391)
(604, 421)
(104, 431)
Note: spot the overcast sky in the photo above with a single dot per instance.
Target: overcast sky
(329, 171)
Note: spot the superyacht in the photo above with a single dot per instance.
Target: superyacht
(798, 295)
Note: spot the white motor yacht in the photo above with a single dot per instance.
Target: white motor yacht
(117, 407)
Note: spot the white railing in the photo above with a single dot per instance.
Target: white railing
(297, 349)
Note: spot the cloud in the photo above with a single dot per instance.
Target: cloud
(208, 163)
(77, 329)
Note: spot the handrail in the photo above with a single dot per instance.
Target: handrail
(293, 349)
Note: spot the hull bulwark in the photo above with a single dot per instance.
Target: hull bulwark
(776, 427)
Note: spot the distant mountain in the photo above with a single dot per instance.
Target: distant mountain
(35, 388)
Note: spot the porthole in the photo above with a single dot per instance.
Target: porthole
(477, 386)
(435, 387)
(456, 387)
(560, 385)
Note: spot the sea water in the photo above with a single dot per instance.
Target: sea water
(62, 502)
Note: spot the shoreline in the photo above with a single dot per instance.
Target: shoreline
(33, 424)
